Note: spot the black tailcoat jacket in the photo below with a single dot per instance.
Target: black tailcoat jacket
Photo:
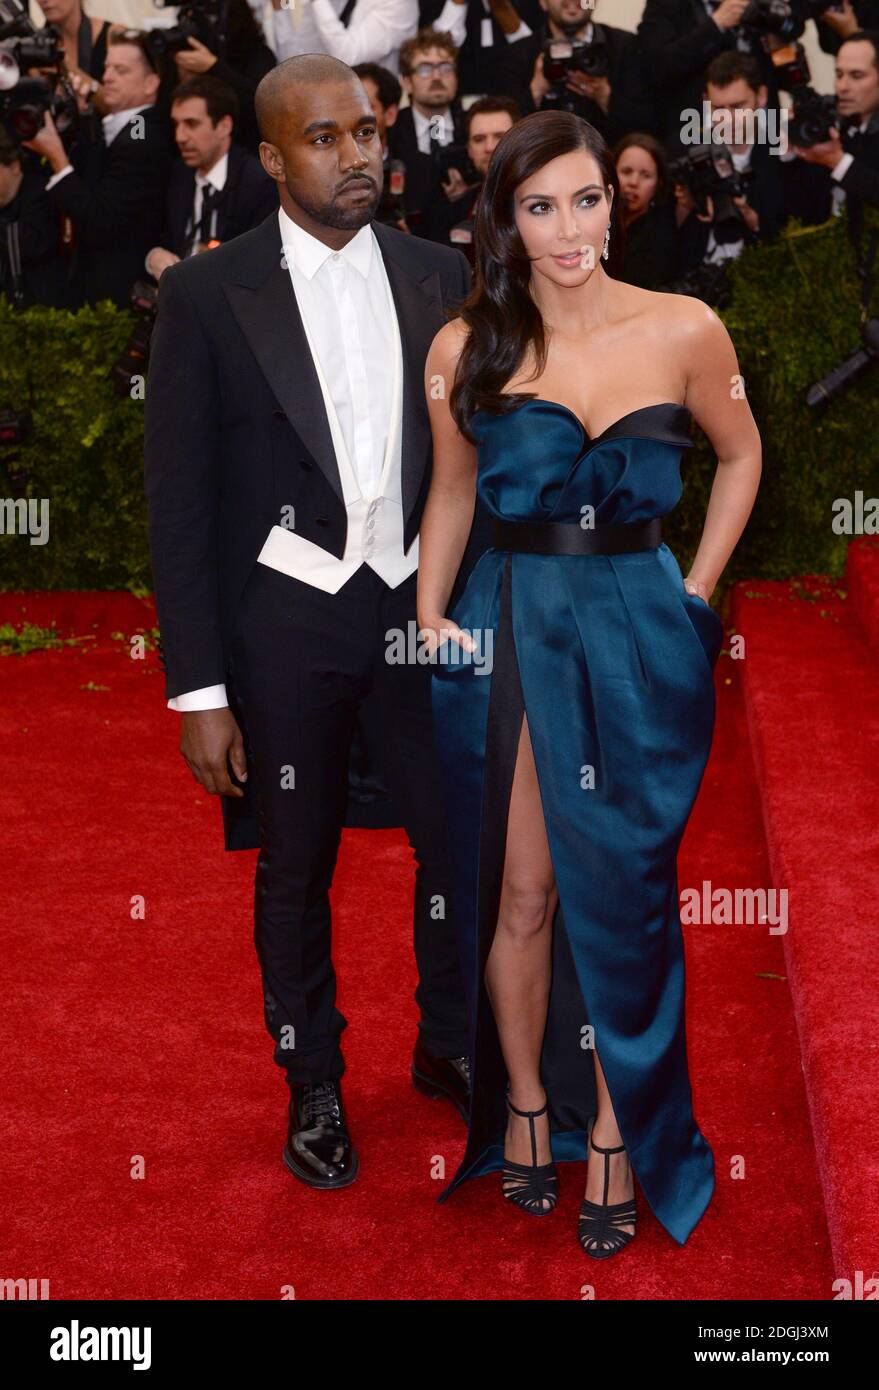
(236, 430)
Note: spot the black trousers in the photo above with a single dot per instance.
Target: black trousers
(302, 660)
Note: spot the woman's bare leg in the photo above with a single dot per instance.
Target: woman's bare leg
(517, 973)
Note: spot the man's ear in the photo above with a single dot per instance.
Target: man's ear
(271, 160)
(391, 114)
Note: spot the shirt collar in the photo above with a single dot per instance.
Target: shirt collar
(216, 175)
(309, 253)
(423, 122)
(115, 120)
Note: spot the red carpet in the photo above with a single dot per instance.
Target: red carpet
(812, 696)
(128, 1040)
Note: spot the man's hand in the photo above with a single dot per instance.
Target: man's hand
(539, 84)
(828, 153)
(456, 187)
(207, 738)
(843, 22)
(727, 15)
(196, 59)
(597, 89)
(750, 216)
(47, 142)
(158, 261)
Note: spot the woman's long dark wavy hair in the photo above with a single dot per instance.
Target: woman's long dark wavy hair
(502, 317)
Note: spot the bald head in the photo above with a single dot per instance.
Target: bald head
(277, 95)
(321, 144)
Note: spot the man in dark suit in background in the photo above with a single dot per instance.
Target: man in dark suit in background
(432, 123)
(287, 462)
(217, 189)
(112, 187)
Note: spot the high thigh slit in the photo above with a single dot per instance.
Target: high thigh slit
(612, 663)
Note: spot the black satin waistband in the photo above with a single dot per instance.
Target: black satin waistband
(570, 538)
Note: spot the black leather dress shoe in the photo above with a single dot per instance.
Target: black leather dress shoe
(318, 1148)
(442, 1078)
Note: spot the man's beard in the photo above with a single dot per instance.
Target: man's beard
(335, 215)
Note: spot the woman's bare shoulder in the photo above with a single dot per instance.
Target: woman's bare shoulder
(449, 341)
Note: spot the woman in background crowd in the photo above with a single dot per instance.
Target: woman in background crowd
(650, 258)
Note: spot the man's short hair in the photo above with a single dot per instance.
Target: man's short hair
(219, 98)
(135, 38)
(730, 66)
(9, 152)
(420, 42)
(485, 105)
(865, 36)
(389, 90)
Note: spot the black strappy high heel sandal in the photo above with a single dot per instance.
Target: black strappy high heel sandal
(597, 1230)
(530, 1186)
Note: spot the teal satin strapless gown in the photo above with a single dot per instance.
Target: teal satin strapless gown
(612, 662)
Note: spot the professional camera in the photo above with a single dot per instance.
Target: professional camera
(707, 171)
(773, 17)
(205, 20)
(135, 355)
(814, 114)
(24, 99)
(564, 56)
(456, 157)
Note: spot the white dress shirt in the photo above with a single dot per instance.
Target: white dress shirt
(216, 177)
(422, 128)
(373, 35)
(350, 323)
(840, 169)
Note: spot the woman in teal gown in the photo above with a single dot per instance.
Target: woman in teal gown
(573, 688)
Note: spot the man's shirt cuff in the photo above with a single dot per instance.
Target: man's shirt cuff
(56, 178)
(208, 697)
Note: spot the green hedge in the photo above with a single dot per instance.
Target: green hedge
(794, 315)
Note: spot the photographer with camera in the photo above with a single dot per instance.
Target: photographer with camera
(570, 63)
(112, 189)
(681, 37)
(221, 38)
(217, 189)
(32, 267)
(733, 197)
(850, 153)
(486, 121)
(430, 127)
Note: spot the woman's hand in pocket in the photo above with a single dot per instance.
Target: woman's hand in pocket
(433, 631)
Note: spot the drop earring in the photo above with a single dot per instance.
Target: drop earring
(605, 250)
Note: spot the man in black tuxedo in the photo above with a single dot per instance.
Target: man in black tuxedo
(217, 188)
(287, 461)
(112, 187)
